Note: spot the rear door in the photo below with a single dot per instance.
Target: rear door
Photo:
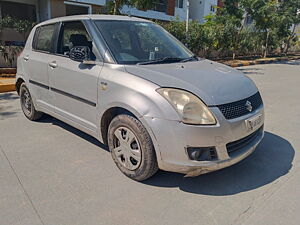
(74, 84)
(36, 65)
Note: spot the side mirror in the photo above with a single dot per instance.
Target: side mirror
(80, 53)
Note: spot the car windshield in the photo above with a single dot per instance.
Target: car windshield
(134, 42)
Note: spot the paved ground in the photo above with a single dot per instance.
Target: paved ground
(51, 173)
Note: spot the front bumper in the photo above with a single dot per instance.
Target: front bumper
(173, 137)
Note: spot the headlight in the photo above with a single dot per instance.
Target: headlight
(189, 107)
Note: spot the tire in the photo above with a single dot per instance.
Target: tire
(131, 148)
(27, 104)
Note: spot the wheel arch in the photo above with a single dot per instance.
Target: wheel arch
(18, 84)
(108, 116)
(114, 111)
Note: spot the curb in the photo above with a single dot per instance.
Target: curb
(7, 75)
(8, 70)
(7, 85)
(261, 61)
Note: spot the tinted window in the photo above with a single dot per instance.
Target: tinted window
(44, 38)
(73, 34)
(179, 3)
(18, 10)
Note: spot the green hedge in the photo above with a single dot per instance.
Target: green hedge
(219, 40)
(227, 33)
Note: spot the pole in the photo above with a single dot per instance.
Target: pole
(187, 15)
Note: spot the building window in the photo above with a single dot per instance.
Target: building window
(18, 10)
(212, 8)
(249, 19)
(179, 3)
(160, 5)
(73, 8)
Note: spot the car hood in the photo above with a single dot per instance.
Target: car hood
(213, 82)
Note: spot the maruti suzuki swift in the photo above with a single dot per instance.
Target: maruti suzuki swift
(133, 86)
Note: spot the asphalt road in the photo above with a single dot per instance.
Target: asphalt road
(51, 173)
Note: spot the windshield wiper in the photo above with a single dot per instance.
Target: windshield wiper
(192, 58)
(161, 60)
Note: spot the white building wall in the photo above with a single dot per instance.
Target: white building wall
(201, 8)
(151, 14)
(179, 13)
(197, 9)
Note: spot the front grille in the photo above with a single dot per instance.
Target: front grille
(237, 109)
(239, 144)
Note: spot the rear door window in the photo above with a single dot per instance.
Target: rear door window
(43, 39)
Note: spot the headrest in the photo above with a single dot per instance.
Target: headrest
(78, 40)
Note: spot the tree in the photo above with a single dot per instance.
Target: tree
(265, 16)
(230, 20)
(232, 8)
(227, 32)
(277, 19)
(231, 35)
(289, 18)
(21, 26)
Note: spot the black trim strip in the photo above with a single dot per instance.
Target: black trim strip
(39, 84)
(74, 96)
(63, 93)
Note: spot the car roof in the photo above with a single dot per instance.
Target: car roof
(93, 17)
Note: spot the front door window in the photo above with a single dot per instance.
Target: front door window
(73, 34)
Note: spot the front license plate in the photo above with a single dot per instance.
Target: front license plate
(254, 122)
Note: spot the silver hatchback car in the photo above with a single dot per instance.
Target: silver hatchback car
(133, 86)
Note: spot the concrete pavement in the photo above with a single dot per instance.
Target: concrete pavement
(51, 173)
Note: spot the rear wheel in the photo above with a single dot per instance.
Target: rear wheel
(27, 104)
(131, 148)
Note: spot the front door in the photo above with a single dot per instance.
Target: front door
(74, 84)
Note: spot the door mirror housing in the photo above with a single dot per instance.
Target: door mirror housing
(81, 54)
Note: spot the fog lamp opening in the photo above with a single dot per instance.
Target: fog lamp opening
(202, 153)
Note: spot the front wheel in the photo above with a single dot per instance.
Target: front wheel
(131, 147)
(27, 104)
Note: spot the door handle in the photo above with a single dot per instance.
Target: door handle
(26, 57)
(53, 64)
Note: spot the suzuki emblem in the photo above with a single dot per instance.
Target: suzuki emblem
(249, 106)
